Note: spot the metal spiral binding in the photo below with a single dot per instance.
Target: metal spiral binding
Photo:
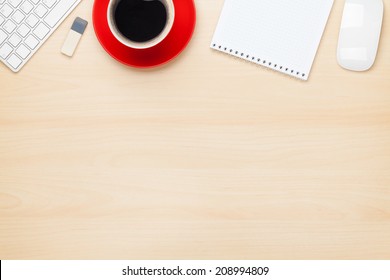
(259, 61)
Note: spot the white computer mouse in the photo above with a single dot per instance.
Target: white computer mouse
(359, 34)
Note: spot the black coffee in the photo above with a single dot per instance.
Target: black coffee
(140, 20)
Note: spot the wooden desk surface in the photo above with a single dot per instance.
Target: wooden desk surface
(208, 157)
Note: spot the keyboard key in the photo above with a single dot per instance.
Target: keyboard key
(31, 42)
(23, 51)
(32, 20)
(23, 30)
(9, 26)
(14, 61)
(58, 12)
(17, 17)
(5, 50)
(40, 10)
(3, 36)
(14, 40)
(49, 3)
(14, 3)
(26, 7)
(6, 10)
(41, 31)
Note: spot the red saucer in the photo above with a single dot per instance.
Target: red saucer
(176, 41)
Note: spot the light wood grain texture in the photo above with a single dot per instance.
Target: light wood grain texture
(207, 157)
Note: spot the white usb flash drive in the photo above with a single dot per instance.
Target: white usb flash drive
(78, 27)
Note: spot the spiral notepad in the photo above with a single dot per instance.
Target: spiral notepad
(283, 35)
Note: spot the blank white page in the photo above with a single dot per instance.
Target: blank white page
(283, 35)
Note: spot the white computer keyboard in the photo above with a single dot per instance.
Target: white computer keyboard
(26, 24)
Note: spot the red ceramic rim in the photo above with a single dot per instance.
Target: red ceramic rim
(174, 44)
